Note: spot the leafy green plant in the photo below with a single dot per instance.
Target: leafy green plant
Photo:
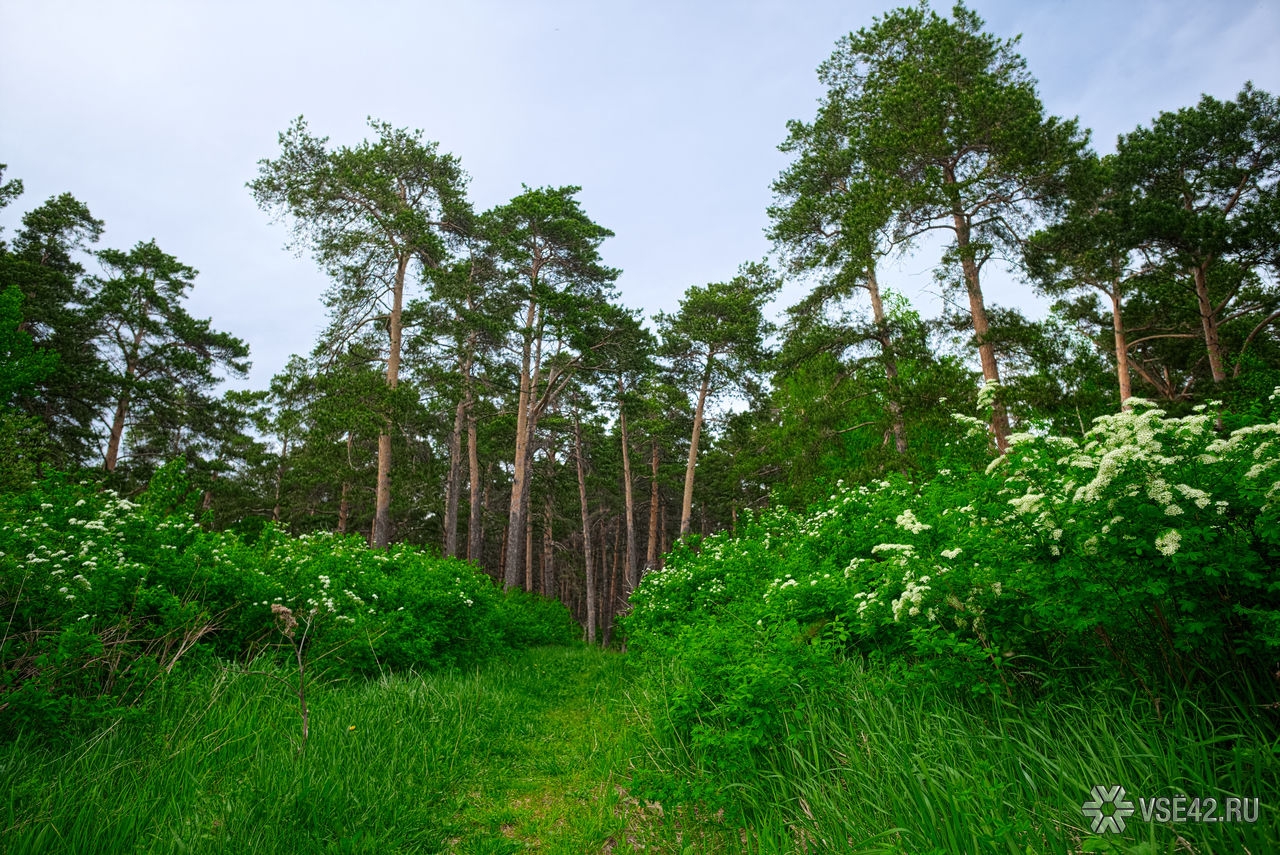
(103, 596)
(1143, 554)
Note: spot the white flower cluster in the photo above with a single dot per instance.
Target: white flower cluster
(912, 595)
(907, 520)
(1169, 542)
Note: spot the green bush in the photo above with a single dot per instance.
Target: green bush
(106, 595)
(1146, 553)
(531, 620)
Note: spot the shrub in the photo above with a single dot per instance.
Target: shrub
(106, 595)
(1146, 552)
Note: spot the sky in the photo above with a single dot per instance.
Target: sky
(667, 114)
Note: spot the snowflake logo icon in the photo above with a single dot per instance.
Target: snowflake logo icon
(1104, 821)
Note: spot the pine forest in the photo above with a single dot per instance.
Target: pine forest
(503, 564)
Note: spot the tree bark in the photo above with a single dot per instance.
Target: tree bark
(344, 508)
(1209, 322)
(651, 559)
(475, 524)
(528, 554)
(548, 568)
(516, 518)
(461, 420)
(614, 576)
(382, 508)
(284, 453)
(117, 428)
(665, 535)
(1122, 352)
(686, 508)
(586, 533)
(453, 486)
(632, 567)
(122, 406)
(981, 326)
(890, 361)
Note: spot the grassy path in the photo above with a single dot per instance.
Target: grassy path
(532, 754)
(558, 778)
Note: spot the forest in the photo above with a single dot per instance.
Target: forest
(838, 549)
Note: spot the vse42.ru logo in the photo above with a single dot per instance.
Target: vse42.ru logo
(1108, 807)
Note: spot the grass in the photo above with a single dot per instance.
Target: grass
(527, 754)
(553, 751)
(876, 768)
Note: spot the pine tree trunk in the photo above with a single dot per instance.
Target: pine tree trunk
(382, 509)
(117, 430)
(122, 405)
(666, 534)
(453, 486)
(284, 453)
(528, 553)
(1122, 353)
(614, 576)
(475, 524)
(651, 559)
(586, 533)
(513, 560)
(890, 361)
(686, 509)
(548, 569)
(632, 568)
(344, 508)
(1209, 322)
(981, 326)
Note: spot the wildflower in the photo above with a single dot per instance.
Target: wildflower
(1169, 542)
(1026, 504)
(907, 520)
(284, 619)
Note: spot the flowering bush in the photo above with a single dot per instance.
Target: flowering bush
(102, 595)
(1148, 551)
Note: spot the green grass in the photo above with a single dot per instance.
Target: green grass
(876, 768)
(527, 754)
(554, 751)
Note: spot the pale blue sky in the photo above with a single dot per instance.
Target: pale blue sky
(668, 114)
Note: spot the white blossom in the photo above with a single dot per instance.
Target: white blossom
(1169, 542)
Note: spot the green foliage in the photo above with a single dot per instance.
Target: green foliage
(23, 440)
(1143, 554)
(42, 266)
(104, 595)
(531, 620)
(160, 360)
